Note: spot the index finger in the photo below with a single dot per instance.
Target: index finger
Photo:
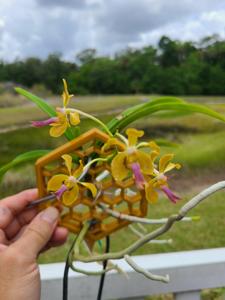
(18, 202)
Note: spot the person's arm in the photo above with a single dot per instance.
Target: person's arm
(23, 235)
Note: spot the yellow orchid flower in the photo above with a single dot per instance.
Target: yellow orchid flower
(64, 118)
(63, 122)
(165, 165)
(160, 180)
(151, 191)
(122, 163)
(67, 186)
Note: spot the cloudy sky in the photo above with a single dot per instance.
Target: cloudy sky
(39, 27)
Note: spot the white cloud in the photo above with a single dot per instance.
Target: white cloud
(2, 23)
(63, 3)
(39, 27)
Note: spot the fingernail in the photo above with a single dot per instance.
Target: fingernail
(50, 215)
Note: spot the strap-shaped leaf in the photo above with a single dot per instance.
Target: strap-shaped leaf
(153, 102)
(113, 123)
(22, 158)
(44, 106)
(126, 118)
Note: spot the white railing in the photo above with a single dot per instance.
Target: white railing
(190, 272)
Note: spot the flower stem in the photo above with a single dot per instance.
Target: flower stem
(97, 160)
(122, 138)
(92, 118)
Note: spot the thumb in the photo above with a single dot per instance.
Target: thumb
(37, 233)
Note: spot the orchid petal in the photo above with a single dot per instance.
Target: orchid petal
(164, 160)
(65, 95)
(145, 162)
(91, 187)
(74, 118)
(61, 115)
(56, 182)
(68, 162)
(118, 166)
(79, 170)
(154, 146)
(70, 182)
(133, 135)
(58, 129)
(70, 197)
(153, 156)
(111, 142)
(171, 166)
(151, 194)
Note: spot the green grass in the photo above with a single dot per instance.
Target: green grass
(16, 116)
(168, 124)
(197, 153)
(10, 100)
(206, 233)
(16, 110)
(201, 152)
(22, 115)
(19, 141)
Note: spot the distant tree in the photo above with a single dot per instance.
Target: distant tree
(32, 72)
(86, 56)
(190, 72)
(3, 71)
(212, 80)
(169, 52)
(54, 70)
(173, 67)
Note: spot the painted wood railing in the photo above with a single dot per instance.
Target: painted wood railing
(190, 272)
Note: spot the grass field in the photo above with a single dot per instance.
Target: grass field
(201, 150)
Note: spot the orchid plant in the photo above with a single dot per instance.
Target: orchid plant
(135, 159)
(132, 160)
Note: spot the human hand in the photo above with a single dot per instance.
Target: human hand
(24, 233)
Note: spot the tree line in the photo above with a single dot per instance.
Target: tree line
(172, 67)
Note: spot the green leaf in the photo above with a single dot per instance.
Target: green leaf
(171, 114)
(22, 158)
(42, 104)
(69, 134)
(45, 107)
(76, 131)
(126, 118)
(112, 125)
(153, 102)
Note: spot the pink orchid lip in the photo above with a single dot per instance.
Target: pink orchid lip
(61, 191)
(139, 178)
(44, 122)
(170, 194)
